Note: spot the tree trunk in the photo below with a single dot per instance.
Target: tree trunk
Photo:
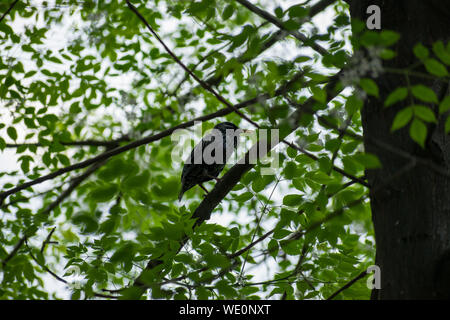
(411, 214)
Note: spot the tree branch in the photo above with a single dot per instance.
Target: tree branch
(14, 251)
(8, 11)
(233, 176)
(280, 24)
(387, 147)
(251, 245)
(231, 255)
(205, 85)
(348, 285)
(209, 88)
(75, 183)
(333, 167)
(151, 138)
(47, 240)
(274, 38)
(60, 279)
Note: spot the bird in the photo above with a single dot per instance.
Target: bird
(209, 156)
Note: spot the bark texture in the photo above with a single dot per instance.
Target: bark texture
(411, 215)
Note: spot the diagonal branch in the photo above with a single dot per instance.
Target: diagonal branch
(25, 199)
(182, 65)
(215, 79)
(244, 57)
(60, 279)
(348, 285)
(251, 245)
(233, 255)
(220, 97)
(47, 240)
(280, 24)
(14, 251)
(74, 184)
(8, 11)
(151, 138)
(233, 176)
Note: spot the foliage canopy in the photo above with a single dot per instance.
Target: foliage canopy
(90, 99)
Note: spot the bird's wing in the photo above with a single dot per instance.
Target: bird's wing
(196, 156)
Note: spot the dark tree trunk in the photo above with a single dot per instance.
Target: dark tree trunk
(411, 215)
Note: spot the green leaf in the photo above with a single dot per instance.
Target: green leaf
(353, 104)
(447, 125)
(30, 74)
(104, 193)
(216, 260)
(435, 67)
(273, 247)
(292, 200)
(279, 12)
(418, 132)
(420, 51)
(12, 133)
(2, 143)
(261, 182)
(369, 86)
(424, 93)
(290, 170)
(402, 118)
(166, 188)
(297, 11)
(281, 233)
(424, 113)
(124, 253)
(88, 222)
(244, 196)
(444, 106)
(225, 289)
(228, 12)
(441, 52)
(368, 160)
(395, 96)
(319, 94)
(137, 181)
(319, 177)
(387, 54)
(388, 37)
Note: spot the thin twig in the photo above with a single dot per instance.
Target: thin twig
(348, 285)
(73, 185)
(182, 65)
(47, 240)
(14, 251)
(9, 9)
(280, 24)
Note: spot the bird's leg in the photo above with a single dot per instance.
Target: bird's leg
(201, 185)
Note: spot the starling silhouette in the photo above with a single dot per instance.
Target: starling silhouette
(209, 156)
